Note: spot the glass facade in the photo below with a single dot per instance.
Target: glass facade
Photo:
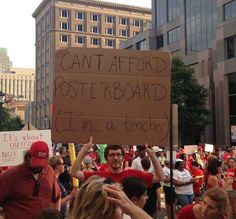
(232, 105)
(173, 11)
(200, 23)
(230, 10)
(160, 12)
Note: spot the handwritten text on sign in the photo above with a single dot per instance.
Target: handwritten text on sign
(15, 143)
(116, 96)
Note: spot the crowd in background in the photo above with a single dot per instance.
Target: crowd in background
(197, 178)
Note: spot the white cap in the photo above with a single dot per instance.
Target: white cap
(179, 160)
(156, 149)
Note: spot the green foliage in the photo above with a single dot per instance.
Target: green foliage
(191, 99)
(8, 122)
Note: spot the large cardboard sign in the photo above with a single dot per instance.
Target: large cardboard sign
(15, 143)
(190, 149)
(116, 96)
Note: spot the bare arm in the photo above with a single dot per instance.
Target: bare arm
(158, 172)
(75, 170)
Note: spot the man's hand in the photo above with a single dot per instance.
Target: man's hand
(149, 150)
(89, 145)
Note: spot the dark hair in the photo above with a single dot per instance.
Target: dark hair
(134, 187)
(213, 165)
(177, 164)
(183, 156)
(146, 163)
(195, 163)
(50, 213)
(113, 147)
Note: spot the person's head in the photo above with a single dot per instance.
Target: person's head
(215, 204)
(195, 165)
(183, 156)
(114, 155)
(136, 190)
(146, 163)
(57, 164)
(37, 156)
(214, 166)
(231, 162)
(50, 213)
(91, 202)
(179, 164)
(87, 161)
(62, 151)
(141, 150)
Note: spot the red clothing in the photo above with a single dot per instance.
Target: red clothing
(186, 212)
(197, 186)
(16, 192)
(147, 177)
(231, 173)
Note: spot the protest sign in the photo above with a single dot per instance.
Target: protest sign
(190, 149)
(15, 143)
(116, 96)
(209, 147)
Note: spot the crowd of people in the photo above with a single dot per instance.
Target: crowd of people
(128, 185)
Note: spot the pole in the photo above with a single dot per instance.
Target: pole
(171, 161)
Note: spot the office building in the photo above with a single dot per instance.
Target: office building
(203, 33)
(5, 62)
(78, 23)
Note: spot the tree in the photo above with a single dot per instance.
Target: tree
(8, 122)
(191, 99)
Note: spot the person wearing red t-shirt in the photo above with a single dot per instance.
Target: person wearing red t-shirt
(214, 206)
(197, 172)
(230, 179)
(114, 155)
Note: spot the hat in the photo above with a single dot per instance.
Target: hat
(179, 160)
(39, 153)
(156, 149)
(87, 160)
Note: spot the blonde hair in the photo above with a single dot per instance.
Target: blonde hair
(220, 197)
(91, 203)
(54, 161)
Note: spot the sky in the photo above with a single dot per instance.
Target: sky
(18, 28)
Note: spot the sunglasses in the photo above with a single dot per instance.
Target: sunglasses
(36, 188)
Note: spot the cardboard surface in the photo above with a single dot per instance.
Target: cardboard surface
(116, 96)
(15, 143)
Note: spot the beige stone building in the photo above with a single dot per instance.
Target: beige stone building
(78, 23)
(203, 33)
(18, 83)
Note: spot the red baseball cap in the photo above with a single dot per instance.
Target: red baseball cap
(39, 153)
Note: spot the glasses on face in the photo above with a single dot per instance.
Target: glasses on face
(112, 155)
(36, 188)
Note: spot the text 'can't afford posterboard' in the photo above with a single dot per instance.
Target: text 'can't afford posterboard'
(116, 96)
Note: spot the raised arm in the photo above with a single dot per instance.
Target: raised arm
(158, 172)
(75, 170)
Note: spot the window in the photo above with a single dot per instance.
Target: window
(231, 47)
(137, 23)
(110, 43)
(95, 41)
(64, 38)
(80, 39)
(80, 15)
(79, 27)
(64, 13)
(229, 10)
(173, 35)
(64, 26)
(95, 29)
(123, 32)
(110, 19)
(124, 21)
(110, 31)
(136, 33)
(160, 41)
(142, 45)
(94, 17)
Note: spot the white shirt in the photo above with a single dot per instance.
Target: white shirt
(183, 176)
(136, 164)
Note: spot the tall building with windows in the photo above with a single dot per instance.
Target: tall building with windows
(5, 62)
(78, 23)
(203, 33)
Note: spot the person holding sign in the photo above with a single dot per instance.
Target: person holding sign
(114, 155)
(27, 189)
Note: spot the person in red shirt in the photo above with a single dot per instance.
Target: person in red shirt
(215, 205)
(197, 172)
(230, 179)
(114, 155)
(25, 190)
